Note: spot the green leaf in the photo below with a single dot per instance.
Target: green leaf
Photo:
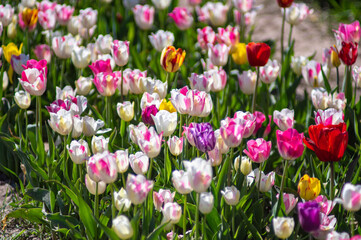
(325, 81)
(33, 215)
(86, 217)
(155, 234)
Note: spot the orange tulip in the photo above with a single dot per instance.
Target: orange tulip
(172, 59)
(28, 18)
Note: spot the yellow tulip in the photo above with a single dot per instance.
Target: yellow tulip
(335, 60)
(239, 55)
(172, 59)
(309, 188)
(168, 106)
(29, 18)
(11, 49)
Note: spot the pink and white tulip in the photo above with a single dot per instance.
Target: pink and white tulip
(132, 77)
(61, 122)
(63, 14)
(144, 16)
(231, 131)
(106, 83)
(120, 52)
(228, 36)
(247, 82)
(175, 145)
(78, 151)
(182, 17)
(43, 51)
(102, 167)
(47, 19)
(165, 122)
(297, 13)
(248, 121)
(63, 46)
(326, 205)
(161, 40)
(290, 202)
(88, 17)
(202, 82)
(218, 54)
(99, 144)
(6, 14)
(258, 150)
(350, 197)
(270, 72)
(148, 100)
(138, 188)
(231, 195)
(214, 13)
(150, 142)
(139, 162)
(329, 116)
(172, 213)
(348, 32)
(243, 5)
(103, 43)
(181, 181)
(284, 119)
(312, 73)
(150, 85)
(206, 36)
(122, 160)
(200, 174)
(267, 181)
(162, 197)
(34, 77)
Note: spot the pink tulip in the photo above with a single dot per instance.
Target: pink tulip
(150, 142)
(34, 77)
(214, 13)
(260, 118)
(6, 14)
(76, 105)
(188, 133)
(312, 73)
(243, 5)
(149, 100)
(175, 145)
(46, 5)
(43, 52)
(120, 52)
(327, 227)
(47, 19)
(258, 150)
(284, 119)
(290, 144)
(205, 36)
(161, 197)
(26, 26)
(231, 131)
(348, 32)
(132, 78)
(201, 82)
(200, 174)
(147, 114)
(215, 156)
(269, 72)
(144, 16)
(219, 78)
(63, 14)
(136, 132)
(182, 17)
(101, 66)
(326, 205)
(139, 162)
(329, 116)
(106, 83)
(228, 36)
(350, 197)
(180, 180)
(218, 54)
(268, 128)
(63, 46)
(290, 202)
(248, 121)
(138, 188)
(88, 18)
(103, 167)
(78, 151)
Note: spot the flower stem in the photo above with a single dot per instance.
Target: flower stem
(38, 118)
(290, 36)
(255, 92)
(150, 169)
(351, 219)
(204, 225)
(96, 208)
(27, 42)
(197, 217)
(121, 83)
(113, 205)
(62, 73)
(124, 182)
(280, 198)
(20, 128)
(332, 193)
(184, 215)
(233, 220)
(26, 130)
(175, 80)
(108, 110)
(282, 34)
(338, 80)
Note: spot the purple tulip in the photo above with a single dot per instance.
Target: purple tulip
(309, 215)
(147, 114)
(203, 136)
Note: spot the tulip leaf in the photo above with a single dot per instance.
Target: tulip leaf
(109, 232)
(325, 81)
(86, 217)
(155, 234)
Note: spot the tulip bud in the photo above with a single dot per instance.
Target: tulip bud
(122, 160)
(246, 166)
(175, 145)
(231, 195)
(206, 202)
(201, 173)
(126, 110)
(335, 60)
(283, 227)
(78, 151)
(121, 200)
(22, 99)
(12, 30)
(91, 185)
(99, 144)
(308, 188)
(122, 227)
(83, 85)
(162, 197)
(138, 188)
(139, 162)
(180, 181)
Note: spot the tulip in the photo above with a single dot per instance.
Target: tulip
(175, 145)
(181, 181)
(103, 43)
(356, 75)
(337, 101)
(136, 132)
(125, 111)
(246, 166)
(18, 61)
(206, 202)
(312, 73)
(243, 5)
(88, 17)
(43, 52)
(335, 60)
(172, 59)
(34, 77)
(284, 3)
(270, 72)
(78, 151)
(309, 215)
(214, 13)
(5, 81)
(308, 188)
(151, 86)
(215, 156)
(150, 143)
(339, 236)
(91, 185)
(348, 53)
(139, 162)
(144, 16)
(326, 228)
(28, 19)
(122, 160)
(348, 32)
(326, 205)
(267, 181)
(260, 118)
(172, 213)
(63, 46)
(63, 14)
(165, 122)
(182, 17)
(248, 121)
(320, 98)
(161, 39)
(297, 13)
(74, 105)
(47, 19)
(350, 197)
(147, 114)
(247, 82)
(290, 144)
(200, 174)
(122, 227)
(132, 78)
(203, 136)
(188, 133)
(231, 131)
(77, 126)
(239, 54)
(202, 82)
(121, 200)
(231, 195)
(83, 85)
(220, 143)
(10, 50)
(164, 196)
(219, 79)
(284, 119)
(329, 116)
(120, 52)
(258, 54)
(161, 4)
(138, 188)
(106, 83)
(283, 227)
(290, 202)
(86, 33)
(218, 54)
(150, 100)
(22, 99)
(206, 36)
(61, 122)
(7, 13)
(228, 36)
(258, 150)
(102, 167)
(328, 142)
(80, 56)
(73, 25)
(297, 64)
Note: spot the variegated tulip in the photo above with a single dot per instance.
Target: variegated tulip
(34, 77)
(61, 122)
(200, 174)
(162, 197)
(125, 111)
(120, 52)
(144, 16)
(122, 160)
(284, 119)
(91, 185)
(102, 167)
(150, 142)
(161, 40)
(22, 99)
(181, 183)
(175, 145)
(90, 126)
(138, 188)
(172, 59)
(99, 144)
(121, 200)
(139, 162)
(78, 151)
(247, 82)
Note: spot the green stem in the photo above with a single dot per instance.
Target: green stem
(175, 80)
(338, 80)
(121, 83)
(96, 208)
(184, 215)
(332, 193)
(282, 34)
(20, 128)
(108, 110)
(149, 175)
(352, 223)
(167, 80)
(26, 130)
(204, 226)
(229, 168)
(80, 178)
(255, 92)
(233, 220)
(38, 118)
(62, 73)
(124, 182)
(180, 125)
(280, 198)
(113, 205)
(197, 217)
(290, 36)
(27, 42)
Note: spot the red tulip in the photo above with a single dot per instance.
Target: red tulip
(285, 3)
(348, 53)
(258, 54)
(328, 142)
